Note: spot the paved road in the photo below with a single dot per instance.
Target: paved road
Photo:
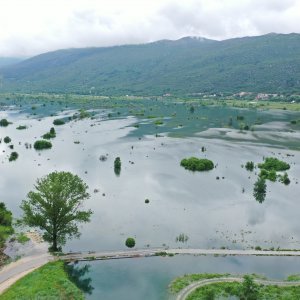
(197, 284)
(152, 252)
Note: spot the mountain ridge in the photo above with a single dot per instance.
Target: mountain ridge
(268, 63)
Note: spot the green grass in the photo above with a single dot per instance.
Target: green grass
(227, 289)
(22, 238)
(294, 277)
(181, 282)
(47, 282)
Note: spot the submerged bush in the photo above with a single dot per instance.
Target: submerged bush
(42, 144)
(58, 122)
(4, 123)
(130, 242)
(117, 165)
(13, 156)
(249, 166)
(197, 164)
(284, 179)
(7, 140)
(50, 135)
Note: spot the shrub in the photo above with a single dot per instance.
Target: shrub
(196, 164)
(130, 242)
(13, 156)
(4, 123)
(249, 166)
(117, 165)
(58, 122)
(42, 144)
(183, 238)
(7, 140)
(21, 127)
(147, 201)
(284, 179)
(50, 135)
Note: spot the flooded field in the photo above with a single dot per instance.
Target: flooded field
(213, 209)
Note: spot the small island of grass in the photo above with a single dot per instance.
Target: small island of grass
(197, 164)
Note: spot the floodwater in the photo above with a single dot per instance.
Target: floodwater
(211, 212)
(148, 278)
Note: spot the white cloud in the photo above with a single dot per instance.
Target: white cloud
(29, 27)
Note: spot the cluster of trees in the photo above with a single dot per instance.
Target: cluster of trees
(197, 164)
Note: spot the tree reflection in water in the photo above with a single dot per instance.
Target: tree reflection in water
(78, 275)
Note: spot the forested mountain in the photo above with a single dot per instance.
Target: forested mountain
(269, 63)
(6, 61)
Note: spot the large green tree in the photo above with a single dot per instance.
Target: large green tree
(55, 207)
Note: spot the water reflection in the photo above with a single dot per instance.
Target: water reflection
(79, 276)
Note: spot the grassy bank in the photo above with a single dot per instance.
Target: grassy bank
(48, 282)
(180, 283)
(227, 289)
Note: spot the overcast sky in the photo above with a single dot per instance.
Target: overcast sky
(29, 27)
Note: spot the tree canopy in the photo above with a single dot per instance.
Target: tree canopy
(260, 190)
(55, 207)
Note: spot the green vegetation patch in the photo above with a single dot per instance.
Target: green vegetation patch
(274, 164)
(13, 156)
(22, 238)
(260, 190)
(42, 144)
(247, 289)
(180, 283)
(58, 122)
(6, 228)
(49, 135)
(4, 123)
(249, 166)
(48, 282)
(21, 127)
(293, 277)
(197, 164)
(130, 242)
(226, 289)
(7, 140)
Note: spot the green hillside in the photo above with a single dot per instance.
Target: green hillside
(6, 61)
(269, 63)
